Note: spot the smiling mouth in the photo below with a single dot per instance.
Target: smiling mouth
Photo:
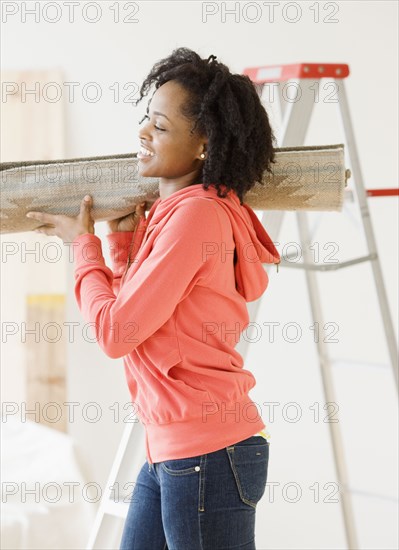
(144, 153)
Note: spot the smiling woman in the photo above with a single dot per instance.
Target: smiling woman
(205, 135)
(175, 310)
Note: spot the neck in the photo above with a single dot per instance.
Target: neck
(169, 186)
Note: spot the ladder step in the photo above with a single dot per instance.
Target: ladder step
(286, 262)
(280, 73)
(350, 362)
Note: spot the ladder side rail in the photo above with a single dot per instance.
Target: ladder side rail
(294, 128)
(297, 114)
(295, 123)
(328, 385)
(346, 122)
(113, 475)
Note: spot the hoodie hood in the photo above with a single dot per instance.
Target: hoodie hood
(254, 247)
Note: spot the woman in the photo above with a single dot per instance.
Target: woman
(174, 305)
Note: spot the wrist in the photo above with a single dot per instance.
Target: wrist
(84, 233)
(120, 231)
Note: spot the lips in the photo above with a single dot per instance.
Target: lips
(145, 153)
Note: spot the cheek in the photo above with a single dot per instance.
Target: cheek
(188, 153)
(177, 152)
(178, 156)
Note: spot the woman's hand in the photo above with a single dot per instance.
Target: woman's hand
(66, 227)
(129, 222)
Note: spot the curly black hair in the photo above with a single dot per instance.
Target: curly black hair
(227, 109)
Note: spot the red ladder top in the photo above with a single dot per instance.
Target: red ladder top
(279, 73)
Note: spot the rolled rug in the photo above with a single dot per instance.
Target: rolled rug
(303, 178)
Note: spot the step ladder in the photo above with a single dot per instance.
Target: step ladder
(295, 116)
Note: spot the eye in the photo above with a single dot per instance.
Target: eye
(155, 126)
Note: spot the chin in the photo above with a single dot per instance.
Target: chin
(144, 172)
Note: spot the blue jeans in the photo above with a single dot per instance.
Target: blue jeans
(205, 502)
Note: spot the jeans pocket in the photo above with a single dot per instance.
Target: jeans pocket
(182, 466)
(249, 462)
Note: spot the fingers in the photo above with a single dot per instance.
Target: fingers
(41, 216)
(48, 218)
(65, 227)
(85, 205)
(86, 218)
(48, 227)
(46, 230)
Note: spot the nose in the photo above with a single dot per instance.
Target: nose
(144, 132)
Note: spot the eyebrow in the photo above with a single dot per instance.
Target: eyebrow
(160, 114)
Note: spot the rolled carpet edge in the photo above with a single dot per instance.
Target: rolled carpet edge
(302, 178)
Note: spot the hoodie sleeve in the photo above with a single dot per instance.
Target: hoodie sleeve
(184, 253)
(119, 244)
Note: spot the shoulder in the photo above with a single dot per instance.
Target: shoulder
(203, 209)
(197, 211)
(193, 220)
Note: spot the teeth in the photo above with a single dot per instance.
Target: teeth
(146, 152)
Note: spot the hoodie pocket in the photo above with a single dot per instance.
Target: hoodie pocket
(163, 352)
(180, 377)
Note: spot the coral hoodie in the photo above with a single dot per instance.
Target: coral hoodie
(176, 313)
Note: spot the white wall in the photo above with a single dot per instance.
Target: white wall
(365, 37)
(22, 254)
